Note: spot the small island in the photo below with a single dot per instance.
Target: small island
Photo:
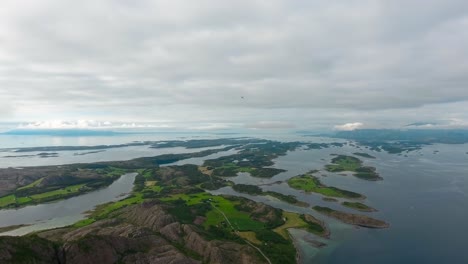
(358, 206)
(310, 183)
(353, 219)
(342, 163)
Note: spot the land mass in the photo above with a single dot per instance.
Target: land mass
(255, 190)
(310, 183)
(358, 206)
(397, 141)
(353, 219)
(34, 185)
(170, 217)
(342, 163)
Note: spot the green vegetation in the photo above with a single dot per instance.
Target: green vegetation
(311, 183)
(239, 219)
(7, 200)
(104, 210)
(347, 163)
(344, 163)
(279, 250)
(31, 185)
(358, 206)
(231, 170)
(52, 195)
(255, 190)
(57, 187)
(298, 221)
(313, 225)
(291, 199)
(253, 159)
(249, 189)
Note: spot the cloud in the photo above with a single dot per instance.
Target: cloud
(213, 62)
(348, 126)
(87, 124)
(270, 125)
(6, 110)
(210, 127)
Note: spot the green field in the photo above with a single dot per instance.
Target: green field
(240, 220)
(311, 183)
(293, 220)
(60, 192)
(344, 163)
(23, 200)
(7, 200)
(14, 201)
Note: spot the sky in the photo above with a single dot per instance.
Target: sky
(218, 64)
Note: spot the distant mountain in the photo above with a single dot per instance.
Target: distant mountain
(421, 124)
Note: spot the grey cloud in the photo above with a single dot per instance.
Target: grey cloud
(270, 125)
(323, 62)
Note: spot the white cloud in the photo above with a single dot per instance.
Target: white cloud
(349, 126)
(210, 127)
(87, 124)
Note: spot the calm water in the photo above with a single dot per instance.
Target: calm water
(424, 197)
(64, 212)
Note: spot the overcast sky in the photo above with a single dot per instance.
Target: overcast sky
(312, 64)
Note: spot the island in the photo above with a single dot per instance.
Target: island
(310, 183)
(358, 206)
(353, 219)
(342, 163)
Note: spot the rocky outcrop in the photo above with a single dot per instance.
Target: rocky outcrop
(117, 249)
(149, 214)
(29, 249)
(219, 252)
(353, 219)
(140, 234)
